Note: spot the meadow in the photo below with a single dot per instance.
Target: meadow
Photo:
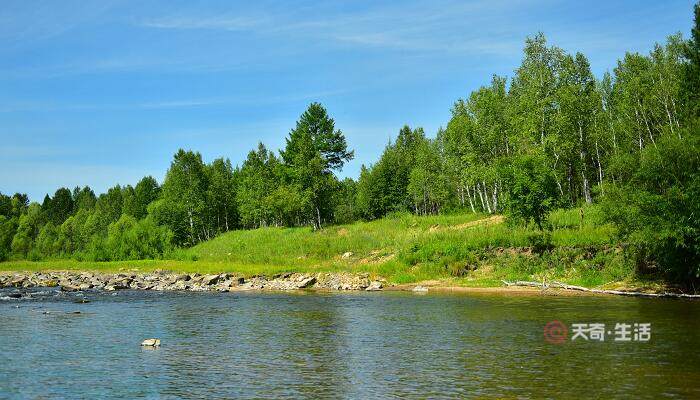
(461, 250)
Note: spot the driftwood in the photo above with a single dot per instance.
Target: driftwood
(559, 285)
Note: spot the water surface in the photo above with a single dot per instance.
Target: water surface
(339, 345)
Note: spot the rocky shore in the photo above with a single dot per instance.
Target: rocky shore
(165, 280)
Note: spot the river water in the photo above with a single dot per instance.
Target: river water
(342, 345)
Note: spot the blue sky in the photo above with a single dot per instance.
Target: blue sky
(104, 92)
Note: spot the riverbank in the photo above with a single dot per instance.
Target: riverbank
(71, 281)
(161, 280)
(456, 251)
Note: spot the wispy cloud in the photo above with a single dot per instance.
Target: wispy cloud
(421, 26)
(220, 23)
(246, 100)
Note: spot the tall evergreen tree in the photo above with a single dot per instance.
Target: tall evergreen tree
(313, 151)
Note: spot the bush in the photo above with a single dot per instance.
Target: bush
(129, 239)
(532, 190)
(657, 211)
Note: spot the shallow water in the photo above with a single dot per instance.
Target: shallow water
(339, 345)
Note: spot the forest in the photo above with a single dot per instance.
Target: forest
(551, 136)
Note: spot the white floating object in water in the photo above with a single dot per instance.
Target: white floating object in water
(151, 343)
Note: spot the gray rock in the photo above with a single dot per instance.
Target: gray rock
(210, 279)
(69, 286)
(306, 282)
(374, 286)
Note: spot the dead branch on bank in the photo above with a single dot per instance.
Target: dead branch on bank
(559, 285)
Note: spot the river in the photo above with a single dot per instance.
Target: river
(343, 345)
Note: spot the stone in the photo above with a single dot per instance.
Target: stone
(420, 289)
(69, 287)
(18, 281)
(154, 342)
(307, 282)
(210, 279)
(374, 286)
(347, 255)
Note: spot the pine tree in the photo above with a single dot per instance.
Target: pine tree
(313, 151)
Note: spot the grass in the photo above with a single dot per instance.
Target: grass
(462, 249)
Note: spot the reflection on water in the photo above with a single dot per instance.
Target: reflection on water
(341, 345)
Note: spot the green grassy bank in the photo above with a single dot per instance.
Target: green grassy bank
(464, 249)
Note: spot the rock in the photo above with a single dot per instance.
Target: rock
(347, 255)
(305, 283)
(151, 343)
(420, 289)
(69, 287)
(14, 295)
(18, 281)
(374, 286)
(210, 279)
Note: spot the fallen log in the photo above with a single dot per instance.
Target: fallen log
(559, 285)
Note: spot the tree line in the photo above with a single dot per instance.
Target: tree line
(553, 135)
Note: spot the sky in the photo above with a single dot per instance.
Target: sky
(104, 92)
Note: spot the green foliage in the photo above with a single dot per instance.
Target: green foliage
(428, 187)
(83, 199)
(27, 231)
(552, 136)
(346, 208)
(129, 239)
(383, 188)
(183, 207)
(313, 150)
(656, 211)
(58, 208)
(691, 73)
(8, 228)
(532, 190)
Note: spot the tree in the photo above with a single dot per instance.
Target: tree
(27, 231)
(346, 209)
(383, 188)
(183, 205)
(8, 228)
(691, 73)
(428, 186)
(83, 199)
(221, 194)
(572, 145)
(532, 189)
(315, 149)
(129, 239)
(110, 206)
(260, 174)
(58, 208)
(656, 210)
(146, 191)
(129, 206)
